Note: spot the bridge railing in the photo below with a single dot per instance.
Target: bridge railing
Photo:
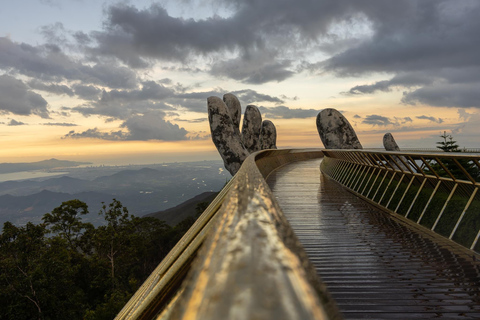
(436, 190)
(240, 260)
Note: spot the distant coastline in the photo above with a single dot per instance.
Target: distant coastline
(28, 175)
(39, 165)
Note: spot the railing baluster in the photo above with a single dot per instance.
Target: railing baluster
(359, 178)
(475, 241)
(444, 206)
(404, 194)
(336, 168)
(416, 196)
(381, 182)
(394, 191)
(345, 172)
(429, 200)
(373, 184)
(369, 178)
(388, 186)
(353, 172)
(463, 212)
(363, 179)
(340, 169)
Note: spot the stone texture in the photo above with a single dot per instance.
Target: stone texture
(335, 131)
(235, 110)
(251, 128)
(389, 142)
(224, 135)
(268, 135)
(224, 117)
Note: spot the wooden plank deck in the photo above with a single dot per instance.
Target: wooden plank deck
(375, 266)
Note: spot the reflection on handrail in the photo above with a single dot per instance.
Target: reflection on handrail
(436, 190)
(250, 264)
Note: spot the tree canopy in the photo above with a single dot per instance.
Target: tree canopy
(64, 268)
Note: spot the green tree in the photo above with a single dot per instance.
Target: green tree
(450, 145)
(37, 278)
(65, 220)
(66, 269)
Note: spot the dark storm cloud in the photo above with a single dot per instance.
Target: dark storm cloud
(152, 33)
(256, 33)
(59, 124)
(87, 92)
(95, 134)
(433, 119)
(446, 95)
(283, 112)
(377, 120)
(431, 47)
(120, 104)
(422, 35)
(270, 40)
(58, 89)
(81, 38)
(254, 70)
(152, 125)
(371, 88)
(150, 90)
(197, 101)
(17, 98)
(14, 122)
(161, 95)
(198, 120)
(50, 63)
(148, 126)
(250, 96)
(115, 109)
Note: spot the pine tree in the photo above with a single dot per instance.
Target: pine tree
(448, 144)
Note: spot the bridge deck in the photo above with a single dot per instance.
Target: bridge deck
(375, 266)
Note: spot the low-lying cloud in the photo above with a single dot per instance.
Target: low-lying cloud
(17, 98)
(148, 126)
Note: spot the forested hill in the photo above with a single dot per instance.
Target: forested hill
(65, 268)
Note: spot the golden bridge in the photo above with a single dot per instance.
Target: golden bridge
(329, 234)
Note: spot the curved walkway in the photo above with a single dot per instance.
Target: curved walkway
(375, 266)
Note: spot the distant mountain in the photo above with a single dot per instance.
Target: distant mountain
(22, 209)
(40, 165)
(186, 209)
(142, 191)
(63, 184)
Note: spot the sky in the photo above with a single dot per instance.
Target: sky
(122, 82)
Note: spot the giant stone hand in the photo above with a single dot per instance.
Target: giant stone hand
(335, 131)
(234, 147)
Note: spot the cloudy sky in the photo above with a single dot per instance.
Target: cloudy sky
(127, 81)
